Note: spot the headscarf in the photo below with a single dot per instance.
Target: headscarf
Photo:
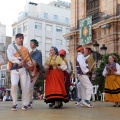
(88, 49)
(35, 42)
(56, 50)
(80, 48)
(62, 52)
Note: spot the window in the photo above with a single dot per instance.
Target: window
(92, 9)
(58, 42)
(58, 29)
(19, 29)
(14, 31)
(48, 41)
(55, 17)
(67, 30)
(38, 26)
(25, 26)
(38, 38)
(46, 15)
(48, 27)
(67, 20)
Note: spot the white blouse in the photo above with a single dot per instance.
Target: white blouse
(117, 67)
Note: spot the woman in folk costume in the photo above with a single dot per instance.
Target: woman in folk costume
(112, 83)
(62, 54)
(36, 56)
(55, 88)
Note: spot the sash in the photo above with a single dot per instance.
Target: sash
(79, 71)
(23, 52)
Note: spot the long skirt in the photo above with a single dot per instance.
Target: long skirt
(67, 79)
(55, 87)
(112, 88)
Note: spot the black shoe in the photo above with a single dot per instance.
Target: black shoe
(51, 105)
(14, 108)
(24, 108)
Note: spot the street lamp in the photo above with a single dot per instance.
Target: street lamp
(96, 49)
(103, 49)
(96, 46)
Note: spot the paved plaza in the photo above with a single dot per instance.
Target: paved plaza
(40, 111)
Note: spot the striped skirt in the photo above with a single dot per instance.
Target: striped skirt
(112, 88)
(55, 87)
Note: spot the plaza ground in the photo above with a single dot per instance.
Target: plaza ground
(40, 111)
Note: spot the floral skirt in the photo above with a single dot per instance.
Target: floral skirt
(55, 87)
(112, 88)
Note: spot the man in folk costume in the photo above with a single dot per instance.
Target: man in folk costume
(89, 60)
(83, 71)
(90, 64)
(37, 57)
(19, 62)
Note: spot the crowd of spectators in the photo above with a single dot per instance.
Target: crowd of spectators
(5, 96)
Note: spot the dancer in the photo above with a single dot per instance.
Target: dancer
(36, 55)
(83, 71)
(112, 82)
(55, 88)
(18, 71)
(62, 54)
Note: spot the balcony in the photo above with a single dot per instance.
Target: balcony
(4, 79)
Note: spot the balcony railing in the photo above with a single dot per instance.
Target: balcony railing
(4, 79)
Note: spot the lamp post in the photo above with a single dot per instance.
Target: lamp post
(96, 49)
(103, 49)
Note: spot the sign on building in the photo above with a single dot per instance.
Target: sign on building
(85, 26)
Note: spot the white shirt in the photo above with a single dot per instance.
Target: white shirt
(10, 53)
(82, 62)
(6, 97)
(74, 82)
(117, 73)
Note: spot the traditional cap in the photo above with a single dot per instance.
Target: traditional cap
(79, 48)
(56, 50)
(88, 49)
(62, 52)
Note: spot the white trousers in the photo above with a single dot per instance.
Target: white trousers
(79, 90)
(23, 77)
(86, 87)
(31, 87)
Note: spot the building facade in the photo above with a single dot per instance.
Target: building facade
(105, 24)
(46, 23)
(2, 39)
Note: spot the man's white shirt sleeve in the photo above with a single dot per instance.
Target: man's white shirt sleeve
(83, 65)
(10, 54)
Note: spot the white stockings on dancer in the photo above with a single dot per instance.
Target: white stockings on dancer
(31, 87)
(86, 87)
(23, 77)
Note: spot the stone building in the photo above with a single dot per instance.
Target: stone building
(105, 24)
